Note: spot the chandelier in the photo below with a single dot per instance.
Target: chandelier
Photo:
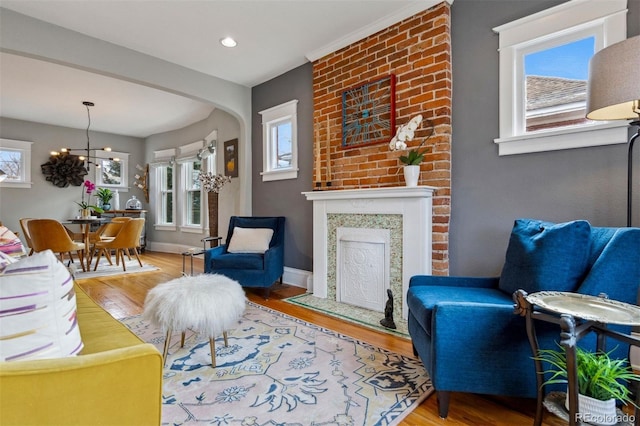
(86, 158)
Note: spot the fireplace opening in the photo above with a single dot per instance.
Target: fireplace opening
(363, 264)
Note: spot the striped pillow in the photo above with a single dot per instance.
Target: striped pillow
(37, 310)
(10, 243)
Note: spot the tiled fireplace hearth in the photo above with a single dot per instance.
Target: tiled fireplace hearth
(381, 235)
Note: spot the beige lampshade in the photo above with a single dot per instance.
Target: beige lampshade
(614, 82)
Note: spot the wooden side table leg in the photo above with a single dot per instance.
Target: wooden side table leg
(226, 340)
(167, 339)
(212, 345)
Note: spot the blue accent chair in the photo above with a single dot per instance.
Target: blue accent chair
(250, 269)
(464, 328)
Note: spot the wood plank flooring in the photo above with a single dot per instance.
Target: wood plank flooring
(124, 296)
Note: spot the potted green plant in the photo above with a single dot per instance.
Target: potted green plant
(105, 195)
(600, 378)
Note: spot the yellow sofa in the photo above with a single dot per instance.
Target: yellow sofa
(116, 380)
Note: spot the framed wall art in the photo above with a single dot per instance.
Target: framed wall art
(231, 158)
(368, 112)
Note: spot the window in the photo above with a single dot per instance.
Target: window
(192, 192)
(15, 161)
(113, 170)
(544, 62)
(280, 142)
(165, 206)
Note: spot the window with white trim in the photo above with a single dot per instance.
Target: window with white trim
(15, 162)
(165, 209)
(192, 211)
(163, 184)
(543, 72)
(280, 142)
(113, 171)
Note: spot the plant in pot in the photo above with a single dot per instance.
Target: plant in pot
(88, 188)
(105, 195)
(601, 381)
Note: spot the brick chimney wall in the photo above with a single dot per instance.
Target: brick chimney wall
(418, 52)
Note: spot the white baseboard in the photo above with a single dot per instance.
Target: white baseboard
(291, 276)
(297, 277)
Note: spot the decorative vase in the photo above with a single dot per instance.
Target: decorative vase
(595, 411)
(411, 175)
(212, 202)
(106, 206)
(85, 213)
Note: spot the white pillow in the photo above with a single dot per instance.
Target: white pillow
(250, 240)
(37, 310)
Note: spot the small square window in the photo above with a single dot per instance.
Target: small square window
(279, 142)
(15, 163)
(113, 170)
(544, 62)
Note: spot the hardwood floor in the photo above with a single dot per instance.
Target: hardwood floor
(124, 296)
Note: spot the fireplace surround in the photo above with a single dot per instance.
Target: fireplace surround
(405, 211)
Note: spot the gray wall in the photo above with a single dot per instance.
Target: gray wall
(283, 197)
(43, 199)
(229, 197)
(488, 192)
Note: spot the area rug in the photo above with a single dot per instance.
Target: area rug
(279, 370)
(351, 313)
(106, 270)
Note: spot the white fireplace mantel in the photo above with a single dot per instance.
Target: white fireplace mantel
(414, 204)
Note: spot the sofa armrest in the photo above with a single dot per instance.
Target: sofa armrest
(419, 280)
(120, 386)
(215, 251)
(274, 259)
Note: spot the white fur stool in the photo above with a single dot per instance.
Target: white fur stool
(208, 303)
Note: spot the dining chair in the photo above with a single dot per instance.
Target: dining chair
(128, 238)
(114, 228)
(49, 234)
(106, 232)
(25, 230)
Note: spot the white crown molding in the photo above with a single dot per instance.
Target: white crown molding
(411, 9)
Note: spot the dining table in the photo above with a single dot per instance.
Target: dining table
(85, 223)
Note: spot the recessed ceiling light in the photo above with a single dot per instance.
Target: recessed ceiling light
(228, 42)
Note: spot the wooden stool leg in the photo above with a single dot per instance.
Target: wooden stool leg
(167, 339)
(226, 340)
(212, 345)
(182, 339)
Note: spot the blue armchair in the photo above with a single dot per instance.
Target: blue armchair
(249, 268)
(465, 330)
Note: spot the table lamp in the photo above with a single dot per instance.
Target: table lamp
(613, 93)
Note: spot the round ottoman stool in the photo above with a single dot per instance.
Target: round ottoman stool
(208, 303)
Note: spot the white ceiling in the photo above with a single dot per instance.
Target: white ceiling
(274, 36)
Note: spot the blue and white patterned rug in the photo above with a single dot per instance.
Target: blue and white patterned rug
(279, 370)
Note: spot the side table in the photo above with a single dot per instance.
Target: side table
(577, 315)
(196, 252)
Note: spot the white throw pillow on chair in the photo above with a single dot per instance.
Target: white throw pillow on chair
(250, 240)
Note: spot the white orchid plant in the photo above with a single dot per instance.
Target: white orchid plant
(406, 134)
